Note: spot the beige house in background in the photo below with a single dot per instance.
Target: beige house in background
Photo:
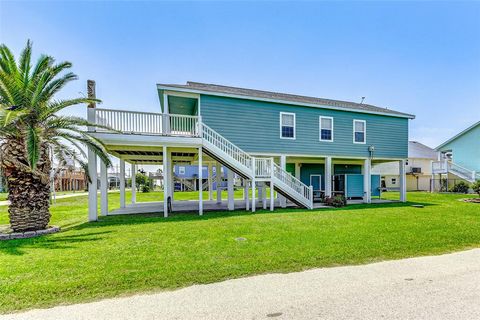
(418, 168)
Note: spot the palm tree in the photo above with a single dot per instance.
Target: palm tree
(32, 133)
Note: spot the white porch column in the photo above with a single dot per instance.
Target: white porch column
(264, 195)
(246, 191)
(218, 178)
(122, 183)
(272, 196)
(171, 172)
(328, 176)
(367, 180)
(297, 170)
(166, 180)
(134, 187)
(210, 182)
(103, 189)
(200, 179)
(254, 205)
(403, 181)
(92, 186)
(283, 165)
(231, 201)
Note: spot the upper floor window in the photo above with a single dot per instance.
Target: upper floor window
(287, 125)
(359, 131)
(326, 128)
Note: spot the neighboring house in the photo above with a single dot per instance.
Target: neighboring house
(186, 177)
(418, 168)
(460, 156)
(70, 179)
(304, 147)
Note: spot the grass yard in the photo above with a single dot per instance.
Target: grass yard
(122, 255)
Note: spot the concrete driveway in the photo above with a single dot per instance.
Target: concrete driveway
(438, 287)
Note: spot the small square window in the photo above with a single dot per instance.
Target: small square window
(181, 170)
(394, 180)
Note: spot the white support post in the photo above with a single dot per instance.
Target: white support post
(246, 192)
(122, 183)
(260, 193)
(264, 195)
(328, 176)
(297, 170)
(283, 165)
(403, 181)
(367, 178)
(254, 205)
(134, 187)
(218, 178)
(92, 186)
(200, 179)
(103, 189)
(210, 182)
(272, 187)
(166, 181)
(231, 201)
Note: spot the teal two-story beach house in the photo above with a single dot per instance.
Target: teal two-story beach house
(306, 148)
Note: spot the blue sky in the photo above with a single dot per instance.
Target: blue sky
(416, 57)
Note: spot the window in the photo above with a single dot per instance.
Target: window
(326, 129)
(287, 125)
(359, 130)
(181, 170)
(394, 180)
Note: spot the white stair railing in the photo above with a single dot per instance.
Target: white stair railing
(214, 138)
(461, 171)
(293, 183)
(263, 167)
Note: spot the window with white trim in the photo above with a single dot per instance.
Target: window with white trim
(181, 170)
(359, 131)
(326, 128)
(287, 125)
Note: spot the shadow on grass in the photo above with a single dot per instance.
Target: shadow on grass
(143, 218)
(52, 241)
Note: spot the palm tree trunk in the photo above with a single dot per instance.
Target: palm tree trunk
(29, 192)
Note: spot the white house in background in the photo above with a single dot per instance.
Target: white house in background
(418, 168)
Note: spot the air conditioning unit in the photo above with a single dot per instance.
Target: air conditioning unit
(416, 170)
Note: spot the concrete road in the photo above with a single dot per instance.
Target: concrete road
(439, 287)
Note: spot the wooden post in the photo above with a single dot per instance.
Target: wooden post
(403, 181)
(246, 191)
(253, 185)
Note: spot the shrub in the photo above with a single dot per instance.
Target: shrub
(461, 187)
(337, 201)
(476, 187)
(145, 188)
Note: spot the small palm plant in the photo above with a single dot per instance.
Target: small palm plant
(32, 133)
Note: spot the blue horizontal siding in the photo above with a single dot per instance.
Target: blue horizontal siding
(254, 126)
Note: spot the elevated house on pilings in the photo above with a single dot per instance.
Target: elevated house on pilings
(303, 148)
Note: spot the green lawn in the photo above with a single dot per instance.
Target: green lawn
(122, 255)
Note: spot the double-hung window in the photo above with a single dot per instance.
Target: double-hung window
(181, 170)
(359, 131)
(326, 128)
(287, 125)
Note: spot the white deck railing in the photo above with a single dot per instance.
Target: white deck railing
(135, 122)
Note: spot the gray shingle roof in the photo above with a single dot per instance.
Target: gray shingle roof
(252, 93)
